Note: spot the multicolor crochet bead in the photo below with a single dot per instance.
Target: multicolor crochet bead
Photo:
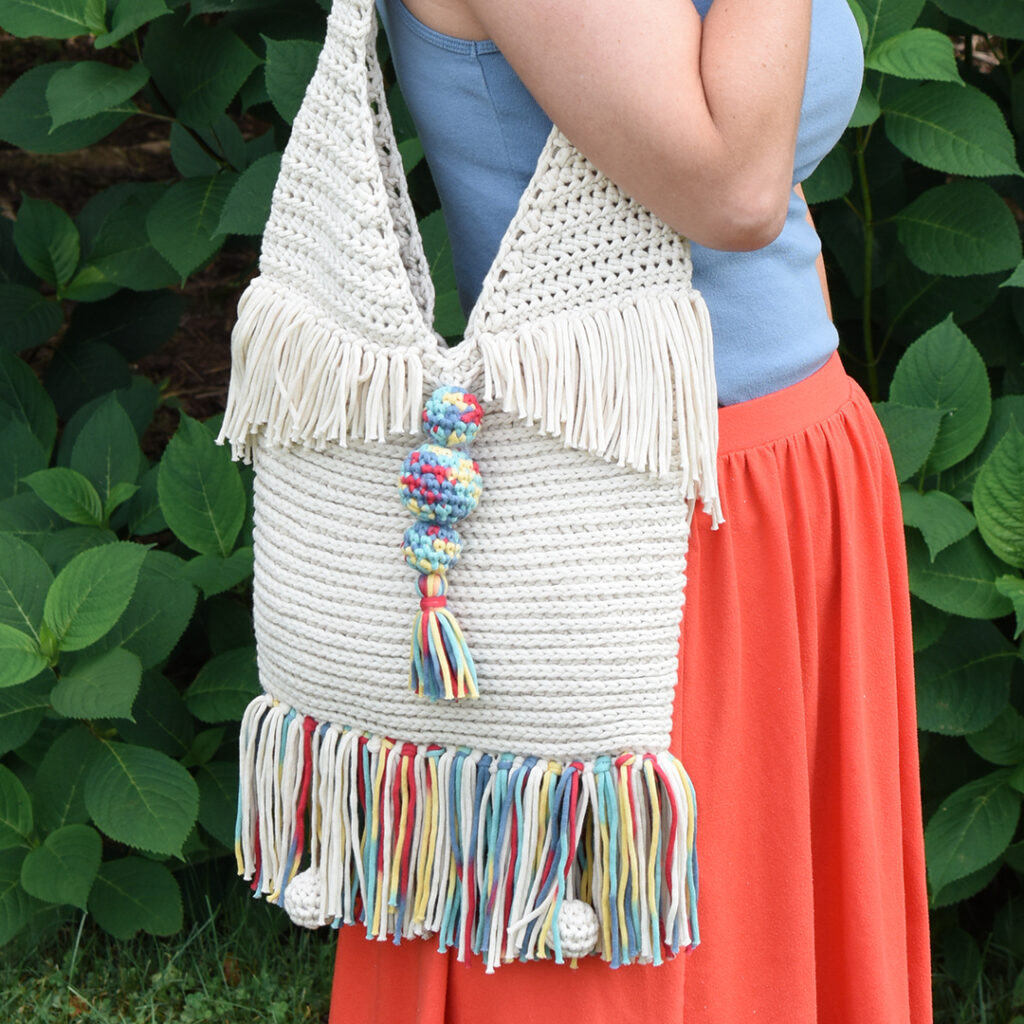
(440, 484)
(429, 547)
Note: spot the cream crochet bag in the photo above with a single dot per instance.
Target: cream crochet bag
(545, 817)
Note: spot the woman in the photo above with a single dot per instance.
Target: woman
(795, 715)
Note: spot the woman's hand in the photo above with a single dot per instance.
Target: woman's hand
(696, 121)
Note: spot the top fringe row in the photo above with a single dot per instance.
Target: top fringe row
(475, 849)
(633, 383)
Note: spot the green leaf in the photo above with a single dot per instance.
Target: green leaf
(62, 870)
(139, 402)
(23, 456)
(971, 828)
(80, 372)
(22, 709)
(91, 592)
(1016, 279)
(16, 906)
(15, 810)
(916, 53)
(224, 686)
(832, 178)
(1000, 17)
(941, 519)
(247, 206)
(290, 66)
(1013, 588)
(218, 799)
(952, 128)
(958, 229)
(119, 494)
(960, 580)
(200, 88)
(449, 320)
(942, 370)
(23, 399)
(129, 16)
(101, 687)
(160, 609)
(141, 797)
(27, 319)
(25, 117)
(866, 111)
(137, 324)
(136, 893)
(106, 450)
(963, 680)
(58, 791)
(69, 494)
(200, 490)
(205, 744)
(911, 433)
(121, 251)
(162, 720)
(20, 656)
(1002, 740)
(928, 623)
(58, 19)
(182, 224)
(26, 516)
(90, 87)
(213, 574)
(47, 239)
(412, 153)
(964, 888)
(144, 515)
(1007, 412)
(24, 581)
(999, 499)
(887, 18)
(59, 548)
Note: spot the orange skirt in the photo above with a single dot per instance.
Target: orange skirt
(795, 719)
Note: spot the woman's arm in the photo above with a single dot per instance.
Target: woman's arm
(696, 121)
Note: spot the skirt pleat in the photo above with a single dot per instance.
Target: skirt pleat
(795, 718)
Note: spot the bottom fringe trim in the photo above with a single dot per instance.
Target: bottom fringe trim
(494, 855)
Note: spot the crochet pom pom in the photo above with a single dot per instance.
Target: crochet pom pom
(452, 416)
(430, 547)
(439, 485)
(302, 899)
(577, 928)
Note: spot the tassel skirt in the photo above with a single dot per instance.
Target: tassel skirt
(795, 718)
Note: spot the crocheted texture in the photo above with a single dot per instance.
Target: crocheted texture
(473, 823)
(587, 324)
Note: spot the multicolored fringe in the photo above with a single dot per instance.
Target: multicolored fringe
(478, 850)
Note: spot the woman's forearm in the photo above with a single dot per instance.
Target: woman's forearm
(696, 121)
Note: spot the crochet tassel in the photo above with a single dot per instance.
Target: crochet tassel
(500, 856)
(440, 484)
(441, 665)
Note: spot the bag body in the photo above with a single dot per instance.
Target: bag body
(546, 817)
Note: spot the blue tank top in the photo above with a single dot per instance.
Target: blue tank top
(482, 133)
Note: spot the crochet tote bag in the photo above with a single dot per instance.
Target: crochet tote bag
(540, 813)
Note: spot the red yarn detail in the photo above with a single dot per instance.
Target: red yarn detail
(438, 601)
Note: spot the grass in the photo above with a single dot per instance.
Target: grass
(237, 961)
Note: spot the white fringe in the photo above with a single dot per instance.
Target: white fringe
(295, 381)
(621, 383)
(635, 383)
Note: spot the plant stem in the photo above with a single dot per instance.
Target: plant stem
(869, 245)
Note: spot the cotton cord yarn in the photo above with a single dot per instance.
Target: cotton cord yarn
(440, 484)
(485, 825)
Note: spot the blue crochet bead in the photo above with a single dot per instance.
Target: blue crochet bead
(451, 416)
(430, 547)
(439, 485)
